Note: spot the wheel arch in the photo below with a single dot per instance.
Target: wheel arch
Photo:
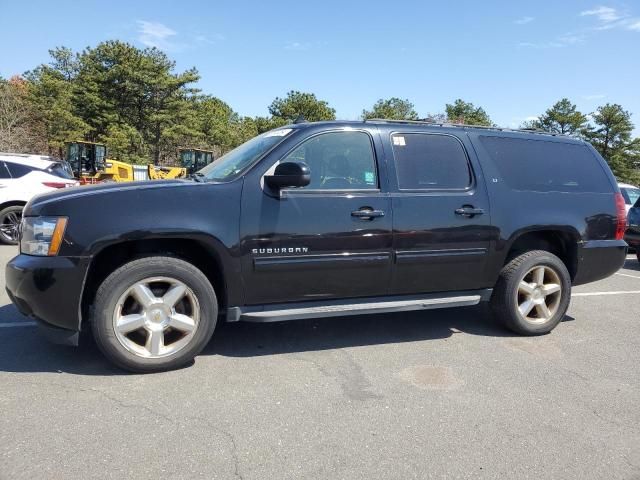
(202, 253)
(561, 241)
(12, 203)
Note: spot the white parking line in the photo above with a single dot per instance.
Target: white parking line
(595, 294)
(627, 275)
(18, 324)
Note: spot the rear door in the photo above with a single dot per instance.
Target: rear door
(441, 217)
(329, 240)
(12, 182)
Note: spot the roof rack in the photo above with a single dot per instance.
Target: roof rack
(463, 125)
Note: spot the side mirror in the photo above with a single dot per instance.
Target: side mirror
(289, 174)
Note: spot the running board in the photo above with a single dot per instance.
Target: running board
(299, 311)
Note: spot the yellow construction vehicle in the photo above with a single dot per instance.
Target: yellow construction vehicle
(164, 173)
(193, 159)
(90, 164)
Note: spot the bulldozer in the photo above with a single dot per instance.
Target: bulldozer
(193, 159)
(90, 164)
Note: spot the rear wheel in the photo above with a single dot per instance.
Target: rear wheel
(532, 293)
(154, 314)
(10, 219)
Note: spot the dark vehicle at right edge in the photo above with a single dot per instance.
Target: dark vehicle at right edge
(322, 219)
(632, 236)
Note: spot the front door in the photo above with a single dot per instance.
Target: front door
(329, 240)
(441, 223)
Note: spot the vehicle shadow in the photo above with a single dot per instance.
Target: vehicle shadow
(24, 350)
(632, 264)
(244, 339)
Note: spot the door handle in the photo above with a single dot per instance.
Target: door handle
(367, 213)
(469, 211)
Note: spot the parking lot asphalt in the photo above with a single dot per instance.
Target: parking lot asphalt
(440, 394)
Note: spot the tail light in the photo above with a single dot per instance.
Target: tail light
(57, 184)
(621, 213)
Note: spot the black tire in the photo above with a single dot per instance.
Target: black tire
(506, 297)
(119, 283)
(10, 218)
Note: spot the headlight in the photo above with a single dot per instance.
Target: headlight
(42, 236)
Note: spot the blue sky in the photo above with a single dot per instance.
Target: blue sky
(513, 58)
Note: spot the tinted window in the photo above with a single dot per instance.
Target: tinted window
(338, 161)
(17, 170)
(426, 161)
(4, 171)
(544, 166)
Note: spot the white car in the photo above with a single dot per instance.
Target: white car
(21, 178)
(630, 193)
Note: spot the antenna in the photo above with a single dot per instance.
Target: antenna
(300, 119)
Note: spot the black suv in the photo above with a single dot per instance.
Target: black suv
(317, 220)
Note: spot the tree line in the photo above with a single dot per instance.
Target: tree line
(135, 102)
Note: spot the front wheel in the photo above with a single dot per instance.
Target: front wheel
(10, 219)
(154, 314)
(532, 293)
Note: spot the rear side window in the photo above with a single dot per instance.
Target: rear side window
(430, 161)
(4, 171)
(543, 166)
(17, 170)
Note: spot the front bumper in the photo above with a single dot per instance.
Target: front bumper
(49, 289)
(598, 259)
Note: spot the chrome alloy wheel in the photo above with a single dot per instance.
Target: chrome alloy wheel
(539, 293)
(156, 317)
(10, 226)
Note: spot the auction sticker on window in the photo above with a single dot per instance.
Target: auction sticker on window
(369, 178)
(398, 140)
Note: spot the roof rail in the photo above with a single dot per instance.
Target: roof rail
(12, 154)
(25, 155)
(464, 125)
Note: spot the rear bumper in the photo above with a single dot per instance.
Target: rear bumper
(49, 289)
(598, 259)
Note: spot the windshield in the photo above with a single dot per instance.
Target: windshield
(231, 164)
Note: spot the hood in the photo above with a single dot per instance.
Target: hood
(104, 189)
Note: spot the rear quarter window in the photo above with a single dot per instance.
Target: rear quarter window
(544, 166)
